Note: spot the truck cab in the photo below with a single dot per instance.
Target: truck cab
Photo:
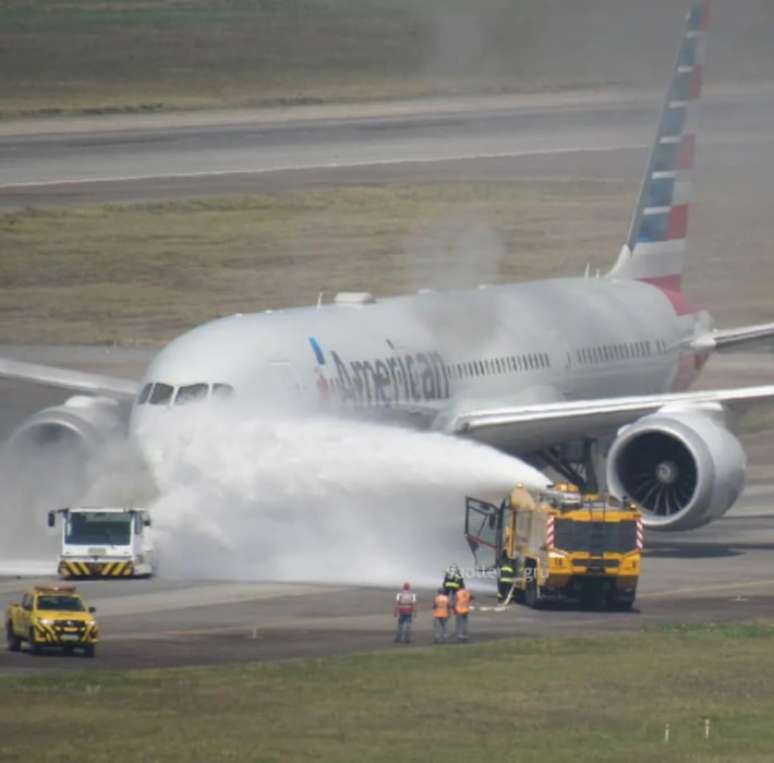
(99, 542)
(51, 616)
(563, 545)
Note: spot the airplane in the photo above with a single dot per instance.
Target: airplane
(587, 376)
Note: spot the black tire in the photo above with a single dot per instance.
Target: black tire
(34, 646)
(13, 641)
(621, 604)
(532, 595)
(618, 602)
(89, 650)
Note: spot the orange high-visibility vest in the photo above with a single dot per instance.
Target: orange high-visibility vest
(441, 608)
(462, 602)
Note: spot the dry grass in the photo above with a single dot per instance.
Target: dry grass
(604, 697)
(141, 273)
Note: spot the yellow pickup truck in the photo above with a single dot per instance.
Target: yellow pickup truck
(51, 617)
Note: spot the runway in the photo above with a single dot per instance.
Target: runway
(720, 573)
(158, 160)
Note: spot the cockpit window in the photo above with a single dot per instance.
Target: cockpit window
(191, 393)
(161, 395)
(222, 391)
(144, 393)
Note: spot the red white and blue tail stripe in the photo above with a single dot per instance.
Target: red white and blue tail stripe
(655, 248)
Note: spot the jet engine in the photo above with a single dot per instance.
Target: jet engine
(684, 468)
(46, 457)
(82, 422)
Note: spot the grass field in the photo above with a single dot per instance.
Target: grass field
(142, 273)
(139, 274)
(605, 697)
(75, 56)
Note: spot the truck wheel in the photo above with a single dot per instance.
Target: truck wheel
(13, 641)
(532, 595)
(621, 604)
(34, 646)
(89, 650)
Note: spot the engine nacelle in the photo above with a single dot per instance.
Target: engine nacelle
(684, 468)
(83, 422)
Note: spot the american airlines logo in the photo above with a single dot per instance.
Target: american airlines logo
(398, 378)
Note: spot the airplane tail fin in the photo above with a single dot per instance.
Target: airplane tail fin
(655, 247)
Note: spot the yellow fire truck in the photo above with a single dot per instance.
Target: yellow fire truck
(563, 545)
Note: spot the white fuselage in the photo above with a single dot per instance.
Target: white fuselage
(545, 341)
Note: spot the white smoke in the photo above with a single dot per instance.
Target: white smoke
(317, 499)
(255, 496)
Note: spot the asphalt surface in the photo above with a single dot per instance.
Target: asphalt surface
(158, 160)
(720, 573)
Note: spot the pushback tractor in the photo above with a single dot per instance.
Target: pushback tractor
(562, 545)
(104, 542)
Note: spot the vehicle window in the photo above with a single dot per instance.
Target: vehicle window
(27, 602)
(60, 602)
(95, 527)
(161, 395)
(191, 393)
(144, 393)
(222, 390)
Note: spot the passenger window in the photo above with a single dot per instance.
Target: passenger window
(161, 395)
(142, 398)
(191, 393)
(223, 391)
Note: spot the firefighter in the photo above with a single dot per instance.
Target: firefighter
(506, 577)
(405, 609)
(462, 611)
(452, 582)
(440, 617)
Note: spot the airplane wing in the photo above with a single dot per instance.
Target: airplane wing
(728, 340)
(63, 378)
(530, 427)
